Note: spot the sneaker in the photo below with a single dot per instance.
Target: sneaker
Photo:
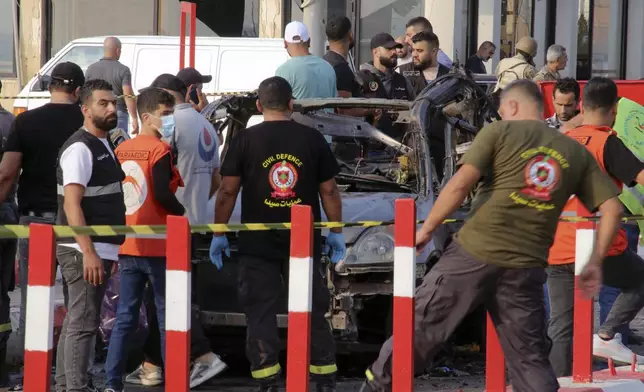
(144, 376)
(16, 388)
(112, 390)
(204, 371)
(614, 349)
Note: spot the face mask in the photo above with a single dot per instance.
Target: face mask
(167, 126)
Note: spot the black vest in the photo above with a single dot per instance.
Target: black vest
(103, 202)
(373, 87)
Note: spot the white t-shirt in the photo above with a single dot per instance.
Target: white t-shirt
(197, 148)
(76, 163)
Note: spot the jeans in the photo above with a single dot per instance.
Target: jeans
(134, 272)
(23, 268)
(77, 337)
(608, 295)
(624, 271)
(123, 120)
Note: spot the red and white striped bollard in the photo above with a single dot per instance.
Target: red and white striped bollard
(39, 325)
(177, 305)
(582, 343)
(300, 292)
(404, 288)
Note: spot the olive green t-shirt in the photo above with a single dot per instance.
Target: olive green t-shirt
(529, 173)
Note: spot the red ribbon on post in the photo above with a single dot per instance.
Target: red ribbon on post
(190, 9)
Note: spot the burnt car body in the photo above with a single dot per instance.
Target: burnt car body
(377, 168)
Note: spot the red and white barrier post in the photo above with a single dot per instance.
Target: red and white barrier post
(177, 305)
(188, 9)
(582, 349)
(404, 288)
(494, 360)
(300, 294)
(39, 326)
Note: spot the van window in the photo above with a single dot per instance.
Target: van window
(84, 56)
(154, 61)
(244, 69)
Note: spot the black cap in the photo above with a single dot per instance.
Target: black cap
(170, 82)
(69, 74)
(191, 76)
(385, 40)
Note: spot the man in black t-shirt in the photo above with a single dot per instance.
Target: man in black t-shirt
(32, 146)
(279, 163)
(338, 32)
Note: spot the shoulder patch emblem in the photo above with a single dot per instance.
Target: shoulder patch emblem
(373, 86)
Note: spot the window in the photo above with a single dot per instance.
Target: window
(84, 56)
(7, 55)
(516, 22)
(583, 40)
(607, 34)
(251, 19)
(385, 16)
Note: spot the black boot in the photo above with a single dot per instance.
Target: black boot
(268, 384)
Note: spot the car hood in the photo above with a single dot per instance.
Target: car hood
(372, 206)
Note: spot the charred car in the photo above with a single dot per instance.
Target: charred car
(412, 158)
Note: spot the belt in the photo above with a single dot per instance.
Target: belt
(48, 215)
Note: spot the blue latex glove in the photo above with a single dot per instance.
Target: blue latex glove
(217, 245)
(335, 243)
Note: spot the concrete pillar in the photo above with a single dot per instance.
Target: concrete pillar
(566, 33)
(539, 29)
(490, 29)
(449, 20)
(271, 18)
(315, 20)
(615, 36)
(32, 38)
(635, 45)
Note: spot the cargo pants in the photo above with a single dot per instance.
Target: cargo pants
(514, 298)
(260, 284)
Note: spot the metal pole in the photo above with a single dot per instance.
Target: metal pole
(315, 20)
(16, 42)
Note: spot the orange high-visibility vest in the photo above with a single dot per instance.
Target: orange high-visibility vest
(563, 248)
(137, 157)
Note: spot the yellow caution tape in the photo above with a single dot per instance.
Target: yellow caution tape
(22, 231)
(215, 94)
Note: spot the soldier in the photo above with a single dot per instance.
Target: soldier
(521, 66)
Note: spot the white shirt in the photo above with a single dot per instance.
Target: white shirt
(197, 148)
(76, 163)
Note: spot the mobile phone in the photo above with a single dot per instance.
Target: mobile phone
(194, 96)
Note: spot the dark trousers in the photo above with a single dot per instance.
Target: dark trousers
(199, 343)
(261, 282)
(81, 322)
(8, 247)
(624, 271)
(456, 285)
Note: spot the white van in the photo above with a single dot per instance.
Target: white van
(236, 64)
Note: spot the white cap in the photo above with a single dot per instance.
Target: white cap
(296, 33)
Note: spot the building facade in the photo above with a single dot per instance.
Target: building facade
(594, 32)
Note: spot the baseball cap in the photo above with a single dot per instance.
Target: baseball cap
(384, 40)
(170, 82)
(69, 74)
(191, 76)
(296, 33)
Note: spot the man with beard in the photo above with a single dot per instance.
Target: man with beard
(418, 24)
(89, 193)
(379, 75)
(565, 98)
(425, 67)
